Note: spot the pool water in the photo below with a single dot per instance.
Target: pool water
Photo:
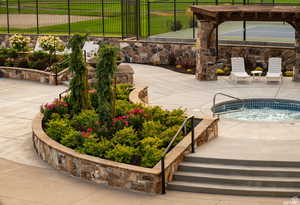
(258, 109)
(264, 114)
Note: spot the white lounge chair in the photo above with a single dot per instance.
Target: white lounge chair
(238, 69)
(90, 49)
(274, 71)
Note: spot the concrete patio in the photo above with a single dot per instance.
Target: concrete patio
(24, 179)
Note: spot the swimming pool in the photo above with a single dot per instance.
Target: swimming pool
(258, 109)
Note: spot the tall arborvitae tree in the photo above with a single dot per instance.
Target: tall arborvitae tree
(79, 97)
(106, 68)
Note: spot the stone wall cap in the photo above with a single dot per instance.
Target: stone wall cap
(125, 68)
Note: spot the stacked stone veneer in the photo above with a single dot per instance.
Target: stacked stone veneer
(33, 75)
(116, 174)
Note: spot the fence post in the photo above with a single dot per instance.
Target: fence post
(19, 7)
(122, 19)
(37, 16)
(149, 15)
(102, 12)
(69, 18)
(174, 13)
(7, 17)
(244, 25)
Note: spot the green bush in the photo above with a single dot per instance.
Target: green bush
(85, 119)
(39, 60)
(126, 136)
(57, 106)
(123, 91)
(58, 128)
(121, 153)
(73, 139)
(151, 141)
(123, 107)
(167, 135)
(93, 147)
(151, 129)
(21, 62)
(150, 156)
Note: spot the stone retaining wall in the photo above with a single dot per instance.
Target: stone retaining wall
(179, 53)
(116, 174)
(32, 74)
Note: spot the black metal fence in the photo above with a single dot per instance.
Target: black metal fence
(140, 18)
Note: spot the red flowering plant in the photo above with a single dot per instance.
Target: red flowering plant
(120, 122)
(87, 133)
(58, 106)
(136, 118)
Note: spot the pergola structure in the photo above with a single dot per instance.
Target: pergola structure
(211, 16)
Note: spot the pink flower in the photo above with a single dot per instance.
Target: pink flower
(136, 111)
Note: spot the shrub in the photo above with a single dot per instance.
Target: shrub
(174, 117)
(167, 135)
(85, 119)
(150, 156)
(19, 42)
(95, 148)
(288, 73)
(151, 141)
(151, 129)
(105, 70)
(220, 71)
(123, 107)
(58, 128)
(259, 69)
(123, 91)
(136, 118)
(175, 26)
(79, 97)
(21, 62)
(126, 136)
(38, 60)
(73, 139)
(57, 106)
(121, 153)
(51, 43)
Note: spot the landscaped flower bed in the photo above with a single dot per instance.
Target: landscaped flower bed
(137, 135)
(37, 65)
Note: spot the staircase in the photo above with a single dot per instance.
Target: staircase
(237, 177)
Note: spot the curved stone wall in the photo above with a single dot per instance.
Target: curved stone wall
(112, 173)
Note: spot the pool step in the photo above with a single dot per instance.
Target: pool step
(237, 177)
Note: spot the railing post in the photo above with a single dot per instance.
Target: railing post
(163, 183)
(122, 18)
(193, 134)
(102, 12)
(7, 16)
(19, 7)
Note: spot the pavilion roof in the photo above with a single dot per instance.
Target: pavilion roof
(247, 12)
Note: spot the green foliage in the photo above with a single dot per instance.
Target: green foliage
(167, 135)
(123, 107)
(58, 128)
(38, 60)
(174, 26)
(151, 129)
(123, 91)
(73, 139)
(95, 148)
(126, 136)
(151, 141)
(105, 70)
(59, 107)
(121, 153)
(85, 119)
(79, 96)
(150, 156)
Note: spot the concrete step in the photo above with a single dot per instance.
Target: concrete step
(259, 163)
(236, 180)
(239, 170)
(233, 190)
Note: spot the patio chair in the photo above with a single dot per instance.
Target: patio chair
(238, 69)
(274, 71)
(91, 49)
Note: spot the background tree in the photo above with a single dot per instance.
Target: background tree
(105, 70)
(79, 98)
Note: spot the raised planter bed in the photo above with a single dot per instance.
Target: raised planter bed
(33, 75)
(113, 173)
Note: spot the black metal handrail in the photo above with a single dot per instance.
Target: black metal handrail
(63, 92)
(162, 159)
